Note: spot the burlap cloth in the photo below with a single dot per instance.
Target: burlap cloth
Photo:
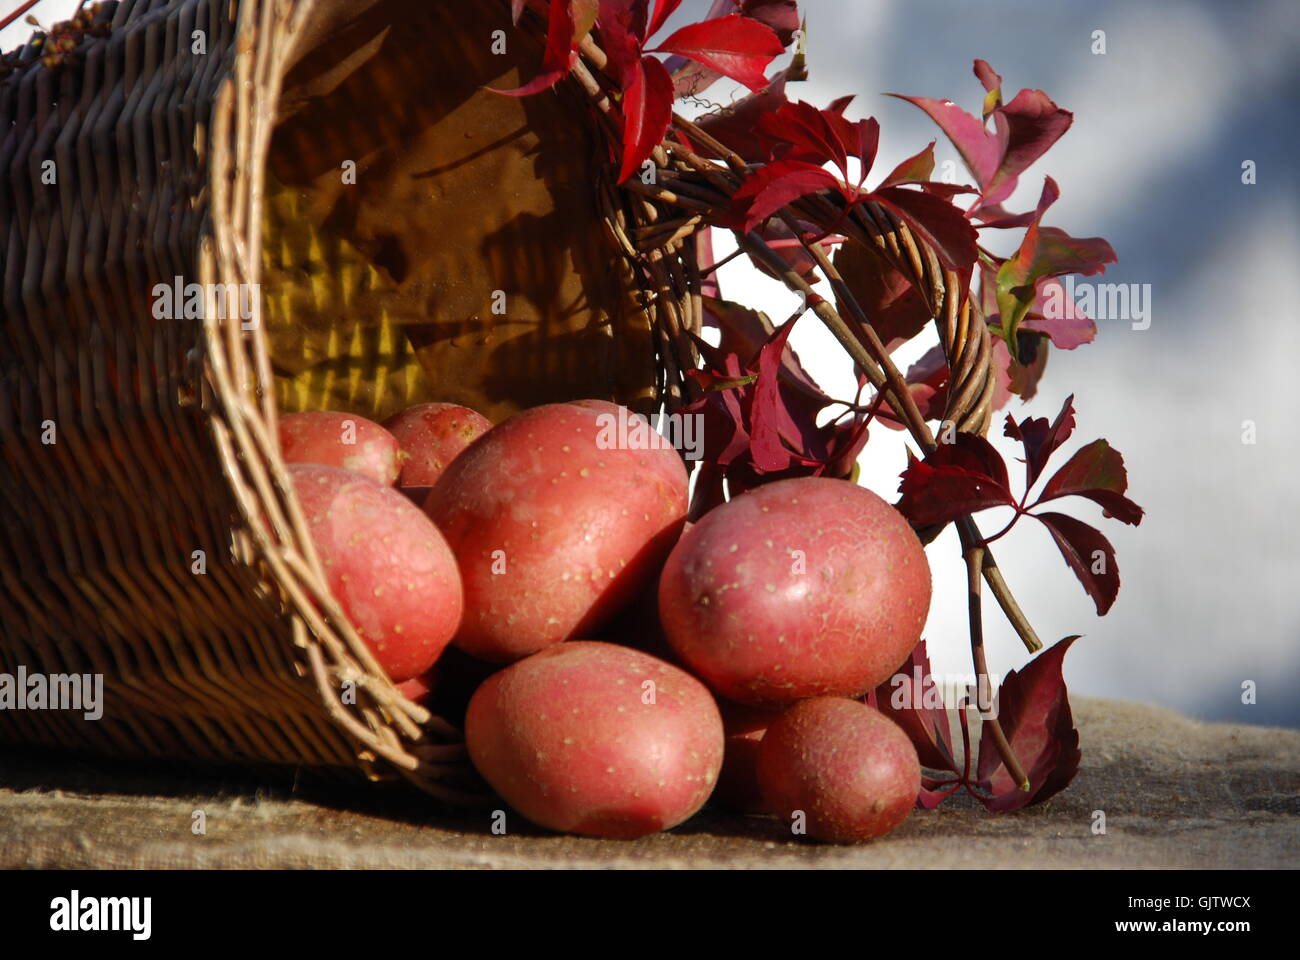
(1175, 793)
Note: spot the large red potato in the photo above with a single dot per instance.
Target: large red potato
(386, 564)
(343, 440)
(596, 739)
(554, 528)
(432, 435)
(800, 588)
(851, 771)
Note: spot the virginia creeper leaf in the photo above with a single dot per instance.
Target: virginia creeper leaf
(895, 308)
(1097, 473)
(622, 31)
(1033, 709)
(937, 221)
(1041, 439)
(559, 56)
(647, 111)
(737, 125)
(1023, 131)
(957, 479)
(774, 186)
(915, 169)
(918, 708)
(781, 15)
(663, 10)
(735, 46)
(1089, 555)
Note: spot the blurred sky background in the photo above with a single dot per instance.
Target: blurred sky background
(1186, 91)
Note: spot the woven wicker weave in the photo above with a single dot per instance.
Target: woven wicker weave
(170, 164)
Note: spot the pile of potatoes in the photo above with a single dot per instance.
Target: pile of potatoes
(614, 666)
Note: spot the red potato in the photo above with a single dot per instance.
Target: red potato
(343, 440)
(596, 739)
(433, 435)
(555, 529)
(850, 770)
(386, 564)
(800, 588)
(418, 689)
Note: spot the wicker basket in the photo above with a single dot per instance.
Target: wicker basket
(218, 167)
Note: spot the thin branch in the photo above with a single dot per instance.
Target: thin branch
(974, 554)
(921, 433)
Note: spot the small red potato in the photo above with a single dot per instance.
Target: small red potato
(555, 527)
(800, 588)
(596, 739)
(386, 564)
(850, 771)
(432, 435)
(418, 689)
(342, 440)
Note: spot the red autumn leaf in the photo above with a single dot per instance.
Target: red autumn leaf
(991, 80)
(896, 309)
(1097, 473)
(691, 79)
(1058, 317)
(840, 104)
(781, 15)
(735, 46)
(1089, 555)
(915, 169)
(543, 81)
(955, 480)
(800, 131)
(911, 699)
(765, 428)
(1027, 127)
(1023, 131)
(1041, 439)
(861, 139)
(936, 221)
(994, 216)
(1043, 252)
(705, 259)
(1018, 375)
(745, 332)
(969, 451)
(1033, 709)
(622, 32)
(774, 186)
(647, 111)
(558, 58)
(978, 149)
(517, 9)
(737, 125)
(663, 10)
(927, 379)
(725, 424)
(776, 437)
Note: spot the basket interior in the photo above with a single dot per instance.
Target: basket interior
(465, 260)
